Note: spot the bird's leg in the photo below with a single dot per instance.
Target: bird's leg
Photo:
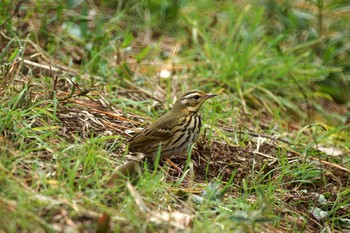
(187, 179)
(174, 166)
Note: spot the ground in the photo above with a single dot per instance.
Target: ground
(79, 79)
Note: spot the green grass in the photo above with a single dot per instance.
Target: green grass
(77, 76)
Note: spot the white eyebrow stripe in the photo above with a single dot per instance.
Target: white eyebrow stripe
(190, 95)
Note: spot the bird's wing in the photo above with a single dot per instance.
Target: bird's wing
(161, 130)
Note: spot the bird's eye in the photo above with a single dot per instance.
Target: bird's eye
(196, 97)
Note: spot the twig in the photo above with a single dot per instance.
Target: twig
(331, 164)
(115, 127)
(137, 198)
(320, 161)
(84, 104)
(46, 67)
(115, 116)
(264, 155)
(258, 135)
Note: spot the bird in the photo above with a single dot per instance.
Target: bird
(171, 134)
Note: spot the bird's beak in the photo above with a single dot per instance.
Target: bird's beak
(208, 96)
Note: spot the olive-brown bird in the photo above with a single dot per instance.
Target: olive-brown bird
(172, 133)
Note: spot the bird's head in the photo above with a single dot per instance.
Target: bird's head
(192, 100)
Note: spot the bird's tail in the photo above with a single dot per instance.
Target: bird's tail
(130, 170)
